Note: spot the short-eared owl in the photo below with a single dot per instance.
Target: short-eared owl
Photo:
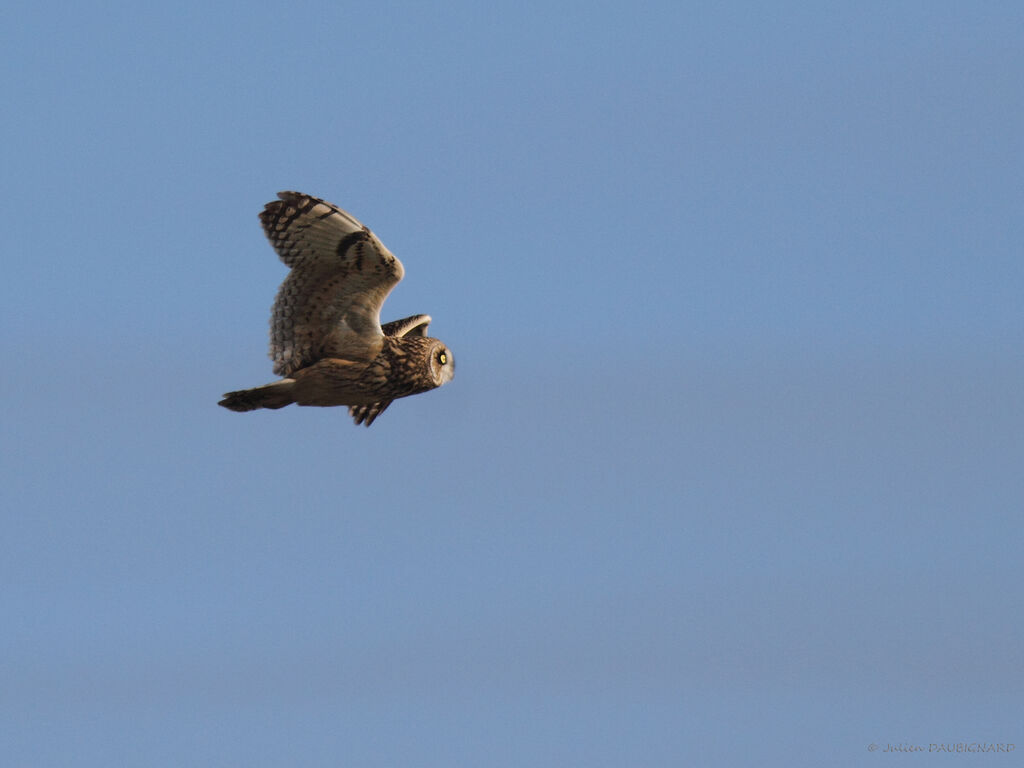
(326, 339)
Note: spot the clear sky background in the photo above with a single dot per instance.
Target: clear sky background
(730, 472)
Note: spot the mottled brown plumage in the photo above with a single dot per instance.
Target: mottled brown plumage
(326, 339)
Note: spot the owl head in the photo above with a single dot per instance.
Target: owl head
(440, 363)
(417, 363)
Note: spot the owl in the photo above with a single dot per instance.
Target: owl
(326, 339)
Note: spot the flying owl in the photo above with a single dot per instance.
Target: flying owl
(326, 339)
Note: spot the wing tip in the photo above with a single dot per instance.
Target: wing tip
(415, 325)
(367, 414)
(287, 196)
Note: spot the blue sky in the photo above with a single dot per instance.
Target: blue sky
(730, 470)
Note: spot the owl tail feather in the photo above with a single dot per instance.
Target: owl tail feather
(275, 395)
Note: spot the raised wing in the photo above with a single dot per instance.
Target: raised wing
(416, 325)
(329, 305)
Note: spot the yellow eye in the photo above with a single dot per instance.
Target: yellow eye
(442, 358)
